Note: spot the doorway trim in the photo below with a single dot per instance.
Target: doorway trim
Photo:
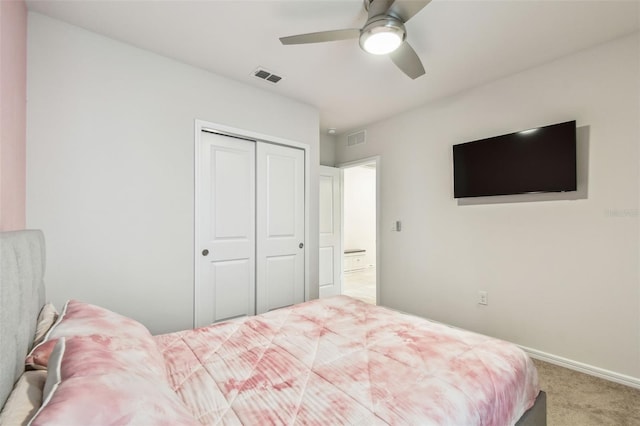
(361, 162)
(208, 126)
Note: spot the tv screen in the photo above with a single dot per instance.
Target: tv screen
(535, 160)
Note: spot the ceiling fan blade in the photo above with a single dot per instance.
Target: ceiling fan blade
(378, 7)
(321, 37)
(407, 60)
(406, 9)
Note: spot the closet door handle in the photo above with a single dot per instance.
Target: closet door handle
(205, 252)
(301, 245)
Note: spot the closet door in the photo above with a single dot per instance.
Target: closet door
(279, 226)
(225, 277)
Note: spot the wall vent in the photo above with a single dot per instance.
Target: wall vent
(357, 138)
(266, 75)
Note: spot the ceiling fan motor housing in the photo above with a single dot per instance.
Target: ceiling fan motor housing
(382, 25)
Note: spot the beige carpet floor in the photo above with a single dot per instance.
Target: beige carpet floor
(576, 399)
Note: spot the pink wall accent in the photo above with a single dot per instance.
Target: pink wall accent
(13, 113)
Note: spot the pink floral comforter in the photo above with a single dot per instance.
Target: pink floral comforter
(341, 361)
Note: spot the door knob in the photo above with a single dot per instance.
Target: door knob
(205, 252)
(301, 245)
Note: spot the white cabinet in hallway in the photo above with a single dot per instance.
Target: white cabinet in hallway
(354, 259)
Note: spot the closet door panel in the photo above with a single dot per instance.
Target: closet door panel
(279, 226)
(280, 270)
(232, 285)
(225, 284)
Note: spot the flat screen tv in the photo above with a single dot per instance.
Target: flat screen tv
(535, 160)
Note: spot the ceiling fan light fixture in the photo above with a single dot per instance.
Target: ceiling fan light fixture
(382, 36)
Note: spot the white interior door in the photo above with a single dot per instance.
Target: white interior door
(225, 277)
(330, 232)
(279, 227)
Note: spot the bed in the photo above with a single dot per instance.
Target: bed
(329, 361)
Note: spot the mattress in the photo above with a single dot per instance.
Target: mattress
(342, 361)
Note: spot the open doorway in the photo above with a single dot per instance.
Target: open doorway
(360, 231)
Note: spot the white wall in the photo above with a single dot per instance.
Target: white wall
(13, 114)
(562, 276)
(110, 175)
(359, 184)
(327, 150)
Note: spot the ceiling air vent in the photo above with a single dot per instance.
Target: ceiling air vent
(266, 75)
(357, 138)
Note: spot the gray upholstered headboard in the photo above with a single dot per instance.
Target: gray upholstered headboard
(22, 263)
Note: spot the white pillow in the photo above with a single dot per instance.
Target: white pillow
(46, 318)
(25, 399)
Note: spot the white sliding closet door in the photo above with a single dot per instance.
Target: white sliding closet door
(250, 227)
(280, 226)
(225, 255)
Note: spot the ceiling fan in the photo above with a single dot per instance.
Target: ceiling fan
(383, 33)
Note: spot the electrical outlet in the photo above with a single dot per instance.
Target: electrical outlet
(483, 298)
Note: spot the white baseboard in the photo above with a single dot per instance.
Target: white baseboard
(612, 376)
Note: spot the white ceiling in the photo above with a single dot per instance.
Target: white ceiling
(461, 43)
